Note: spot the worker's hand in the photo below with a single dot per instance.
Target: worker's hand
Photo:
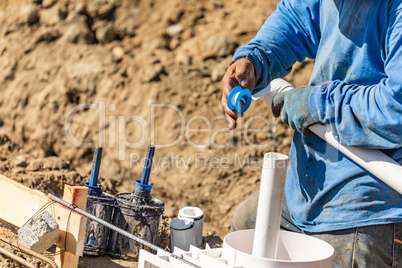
(294, 110)
(240, 73)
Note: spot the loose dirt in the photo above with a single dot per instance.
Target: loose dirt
(124, 74)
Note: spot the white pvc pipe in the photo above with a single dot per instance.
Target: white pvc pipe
(269, 210)
(374, 161)
(274, 88)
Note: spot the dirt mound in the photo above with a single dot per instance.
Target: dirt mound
(47, 174)
(123, 74)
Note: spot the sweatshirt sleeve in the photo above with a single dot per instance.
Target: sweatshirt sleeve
(366, 116)
(290, 34)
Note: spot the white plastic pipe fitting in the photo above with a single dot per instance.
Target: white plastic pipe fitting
(182, 233)
(195, 214)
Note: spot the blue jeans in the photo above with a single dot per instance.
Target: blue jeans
(370, 246)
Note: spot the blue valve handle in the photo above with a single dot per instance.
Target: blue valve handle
(95, 189)
(148, 164)
(95, 166)
(242, 101)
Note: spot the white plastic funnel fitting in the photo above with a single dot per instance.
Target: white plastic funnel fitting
(294, 250)
(182, 233)
(270, 205)
(197, 216)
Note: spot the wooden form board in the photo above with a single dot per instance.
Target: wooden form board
(18, 204)
(76, 195)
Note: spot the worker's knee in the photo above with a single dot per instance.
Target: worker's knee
(369, 246)
(245, 214)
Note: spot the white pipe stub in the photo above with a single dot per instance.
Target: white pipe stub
(269, 209)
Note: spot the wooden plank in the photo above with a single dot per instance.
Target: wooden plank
(18, 204)
(66, 260)
(76, 195)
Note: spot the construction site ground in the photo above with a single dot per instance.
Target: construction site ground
(124, 74)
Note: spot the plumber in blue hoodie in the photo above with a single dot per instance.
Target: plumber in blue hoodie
(356, 89)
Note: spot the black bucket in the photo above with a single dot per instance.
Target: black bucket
(97, 235)
(138, 214)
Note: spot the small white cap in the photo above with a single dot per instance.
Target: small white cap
(194, 213)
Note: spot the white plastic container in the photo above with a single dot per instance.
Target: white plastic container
(182, 233)
(294, 250)
(197, 216)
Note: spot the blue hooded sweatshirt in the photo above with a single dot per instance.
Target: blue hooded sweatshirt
(357, 47)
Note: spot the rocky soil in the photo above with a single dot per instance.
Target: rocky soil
(124, 74)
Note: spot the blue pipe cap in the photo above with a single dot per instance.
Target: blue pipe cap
(241, 102)
(94, 190)
(141, 187)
